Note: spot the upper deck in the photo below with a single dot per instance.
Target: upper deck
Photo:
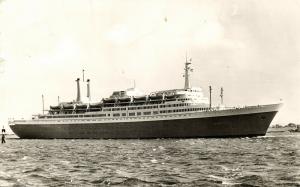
(160, 113)
(120, 100)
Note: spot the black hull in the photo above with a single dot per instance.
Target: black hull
(243, 125)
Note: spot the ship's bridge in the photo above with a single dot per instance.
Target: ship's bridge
(193, 95)
(130, 92)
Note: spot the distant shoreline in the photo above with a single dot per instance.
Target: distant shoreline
(281, 129)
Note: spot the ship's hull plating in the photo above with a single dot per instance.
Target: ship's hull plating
(243, 125)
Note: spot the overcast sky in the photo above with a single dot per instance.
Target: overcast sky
(251, 48)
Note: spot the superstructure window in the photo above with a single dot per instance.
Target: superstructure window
(101, 115)
(116, 114)
(147, 113)
(132, 114)
(123, 114)
(138, 113)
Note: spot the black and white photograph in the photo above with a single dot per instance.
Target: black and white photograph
(150, 93)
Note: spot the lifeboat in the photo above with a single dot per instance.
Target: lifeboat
(67, 106)
(156, 97)
(124, 100)
(55, 107)
(171, 97)
(95, 107)
(109, 100)
(81, 107)
(140, 99)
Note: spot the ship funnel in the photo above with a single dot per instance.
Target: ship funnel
(187, 70)
(88, 90)
(78, 90)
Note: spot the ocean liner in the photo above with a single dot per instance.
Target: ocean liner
(177, 113)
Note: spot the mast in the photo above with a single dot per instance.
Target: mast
(187, 69)
(78, 90)
(83, 75)
(210, 89)
(221, 95)
(43, 104)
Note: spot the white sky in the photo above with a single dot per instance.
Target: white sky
(250, 47)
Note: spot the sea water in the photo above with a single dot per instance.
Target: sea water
(271, 160)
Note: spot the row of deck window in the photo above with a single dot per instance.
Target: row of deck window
(131, 113)
(145, 107)
(174, 105)
(132, 108)
(182, 110)
(113, 109)
(185, 99)
(142, 107)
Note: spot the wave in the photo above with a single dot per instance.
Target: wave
(124, 181)
(251, 180)
(37, 169)
(135, 181)
(195, 162)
